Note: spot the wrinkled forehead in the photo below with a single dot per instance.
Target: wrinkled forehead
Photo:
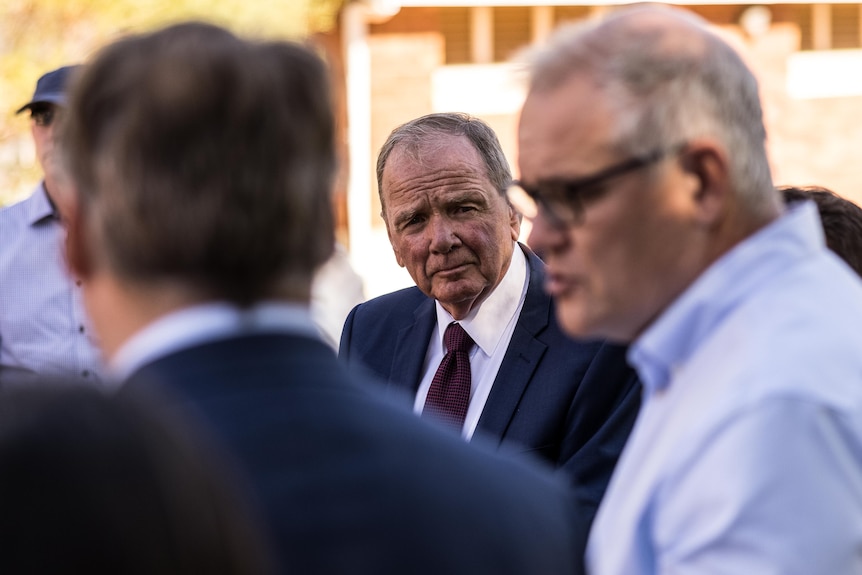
(435, 169)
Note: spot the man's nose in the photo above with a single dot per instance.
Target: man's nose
(442, 234)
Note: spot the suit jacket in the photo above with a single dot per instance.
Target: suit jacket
(350, 484)
(572, 403)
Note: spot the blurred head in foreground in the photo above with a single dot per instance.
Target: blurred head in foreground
(203, 166)
(91, 483)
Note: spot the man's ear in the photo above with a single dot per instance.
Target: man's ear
(707, 164)
(514, 221)
(78, 255)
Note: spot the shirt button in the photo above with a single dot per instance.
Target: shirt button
(78, 283)
(80, 329)
(85, 373)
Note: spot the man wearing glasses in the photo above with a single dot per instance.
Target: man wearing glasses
(43, 329)
(642, 150)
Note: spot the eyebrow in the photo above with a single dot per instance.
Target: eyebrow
(404, 217)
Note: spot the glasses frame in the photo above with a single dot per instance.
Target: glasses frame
(578, 191)
(43, 115)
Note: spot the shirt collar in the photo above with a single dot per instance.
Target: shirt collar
(718, 291)
(39, 206)
(205, 323)
(486, 323)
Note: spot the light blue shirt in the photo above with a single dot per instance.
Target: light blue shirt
(746, 458)
(43, 328)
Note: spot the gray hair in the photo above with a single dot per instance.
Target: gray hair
(666, 87)
(421, 131)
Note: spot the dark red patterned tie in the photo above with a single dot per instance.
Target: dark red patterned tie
(449, 393)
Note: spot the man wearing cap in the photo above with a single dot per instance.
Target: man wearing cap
(42, 325)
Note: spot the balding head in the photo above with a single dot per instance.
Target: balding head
(670, 79)
(646, 33)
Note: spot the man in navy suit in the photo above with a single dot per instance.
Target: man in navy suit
(203, 165)
(442, 180)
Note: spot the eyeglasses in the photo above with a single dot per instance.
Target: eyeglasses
(563, 201)
(43, 116)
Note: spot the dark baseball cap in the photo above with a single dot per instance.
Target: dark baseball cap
(51, 88)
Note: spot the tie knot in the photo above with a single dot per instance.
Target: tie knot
(456, 339)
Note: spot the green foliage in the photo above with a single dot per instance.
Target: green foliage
(40, 35)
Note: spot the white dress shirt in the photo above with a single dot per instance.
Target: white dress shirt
(490, 325)
(747, 454)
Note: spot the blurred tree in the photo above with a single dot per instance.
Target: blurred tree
(40, 35)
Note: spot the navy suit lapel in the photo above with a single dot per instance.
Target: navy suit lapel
(522, 356)
(411, 346)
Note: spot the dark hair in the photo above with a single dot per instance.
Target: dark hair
(94, 484)
(206, 159)
(841, 219)
(419, 131)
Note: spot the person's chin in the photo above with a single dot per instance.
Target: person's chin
(455, 293)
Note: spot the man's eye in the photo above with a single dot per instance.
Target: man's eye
(413, 221)
(464, 209)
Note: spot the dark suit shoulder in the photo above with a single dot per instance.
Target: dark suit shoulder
(351, 484)
(388, 336)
